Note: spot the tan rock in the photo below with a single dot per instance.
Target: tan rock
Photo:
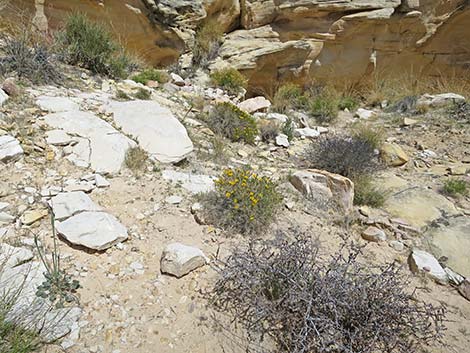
(322, 186)
(393, 155)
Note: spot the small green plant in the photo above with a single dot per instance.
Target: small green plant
(348, 102)
(243, 201)
(143, 94)
(58, 287)
(233, 123)
(288, 129)
(229, 79)
(373, 136)
(90, 45)
(122, 96)
(15, 339)
(288, 96)
(454, 187)
(136, 159)
(365, 193)
(207, 43)
(268, 131)
(324, 108)
(151, 75)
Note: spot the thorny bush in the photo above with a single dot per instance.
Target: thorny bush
(283, 292)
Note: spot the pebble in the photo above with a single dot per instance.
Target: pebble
(174, 200)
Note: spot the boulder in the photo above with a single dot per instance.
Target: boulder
(439, 100)
(56, 104)
(156, 129)
(10, 87)
(10, 149)
(321, 186)
(3, 97)
(254, 104)
(93, 230)
(365, 114)
(179, 260)
(374, 234)
(464, 289)
(282, 140)
(423, 262)
(419, 206)
(99, 145)
(307, 132)
(68, 204)
(393, 155)
(194, 183)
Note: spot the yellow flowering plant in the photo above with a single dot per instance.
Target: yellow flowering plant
(230, 121)
(243, 201)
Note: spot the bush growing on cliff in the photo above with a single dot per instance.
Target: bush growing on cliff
(151, 75)
(242, 201)
(233, 123)
(229, 79)
(207, 43)
(282, 291)
(90, 45)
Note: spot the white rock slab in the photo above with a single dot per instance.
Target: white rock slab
(56, 104)
(424, 262)
(58, 138)
(155, 127)
(93, 230)
(10, 148)
(194, 183)
(307, 132)
(65, 205)
(179, 259)
(106, 148)
(282, 140)
(255, 104)
(3, 97)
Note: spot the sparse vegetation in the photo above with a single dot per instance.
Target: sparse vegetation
(90, 45)
(229, 79)
(454, 187)
(374, 137)
(233, 123)
(366, 193)
(207, 43)
(343, 155)
(348, 102)
(14, 338)
(288, 96)
(268, 131)
(29, 59)
(323, 106)
(460, 111)
(136, 159)
(122, 96)
(283, 292)
(151, 75)
(143, 94)
(242, 201)
(288, 128)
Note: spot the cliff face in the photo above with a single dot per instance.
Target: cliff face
(274, 40)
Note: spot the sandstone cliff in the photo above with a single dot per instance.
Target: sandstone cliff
(274, 40)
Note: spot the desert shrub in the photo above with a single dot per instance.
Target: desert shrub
(288, 129)
(233, 123)
(284, 292)
(348, 102)
(143, 94)
(229, 79)
(366, 193)
(136, 159)
(268, 131)
(343, 155)
(288, 96)
(122, 96)
(242, 201)
(323, 107)
(14, 338)
(372, 136)
(454, 187)
(207, 43)
(28, 59)
(460, 111)
(90, 45)
(151, 75)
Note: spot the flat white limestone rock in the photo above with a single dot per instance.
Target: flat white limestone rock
(56, 104)
(65, 205)
(10, 148)
(179, 259)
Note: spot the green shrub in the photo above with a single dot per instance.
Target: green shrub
(122, 96)
(373, 136)
(348, 102)
(288, 96)
(242, 201)
(90, 45)
(143, 94)
(151, 75)
(454, 187)
(229, 79)
(207, 43)
(365, 193)
(235, 124)
(324, 108)
(288, 129)
(14, 339)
